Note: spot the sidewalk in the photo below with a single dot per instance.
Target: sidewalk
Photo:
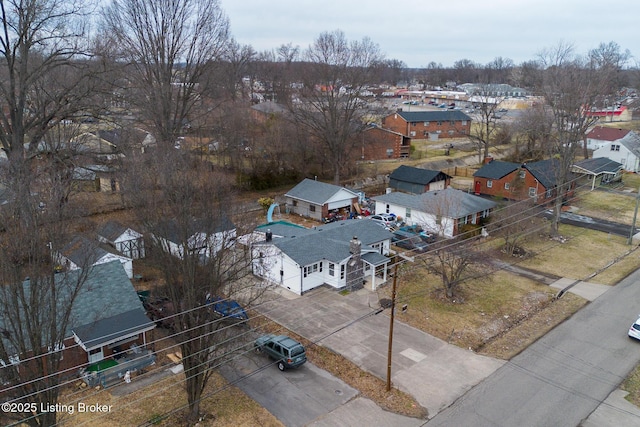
(433, 372)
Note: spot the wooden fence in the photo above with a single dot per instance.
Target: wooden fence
(462, 171)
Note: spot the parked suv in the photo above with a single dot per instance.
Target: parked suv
(287, 352)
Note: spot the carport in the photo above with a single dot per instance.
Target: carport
(606, 169)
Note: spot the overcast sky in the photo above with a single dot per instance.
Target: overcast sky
(420, 31)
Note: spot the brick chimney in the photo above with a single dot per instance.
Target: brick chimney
(488, 159)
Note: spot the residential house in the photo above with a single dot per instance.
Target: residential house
(416, 180)
(340, 254)
(381, 144)
(598, 170)
(444, 212)
(81, 253)
(125, 240)
(200, 236)
(517, 181)
(315, 199)
(625, 150)
(106, 334)
(601, 135)
(429, 124)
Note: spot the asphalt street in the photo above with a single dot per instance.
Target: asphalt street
(563, 377)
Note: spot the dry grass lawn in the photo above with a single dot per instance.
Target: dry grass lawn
(483, 312)
(585, 252)
(606, 205)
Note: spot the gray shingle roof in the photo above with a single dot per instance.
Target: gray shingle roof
(171, 229)
(632, 142)
(331, 241)
(433, 116)
(315, 191)
(544, 171)
(106, 306)
(598, 165)
(83, 252)
(449, 203)
(496, 169)
(414, 175)
(111, 230)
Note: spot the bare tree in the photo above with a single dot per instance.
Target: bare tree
(533, 131)
(331, 106)
(513, 223)
(43, 77)
(454, 261)
(37, 302)
(167, 48)
(485, 114)
(184, 201)
(571, 86)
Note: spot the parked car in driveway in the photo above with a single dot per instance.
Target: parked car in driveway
(408, 240)
(387, 220)
(287, 352)
(226, 308)
(634, 330)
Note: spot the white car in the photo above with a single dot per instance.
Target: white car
(385, 220)
(634, 330)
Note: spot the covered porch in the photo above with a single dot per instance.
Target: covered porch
(374, 269)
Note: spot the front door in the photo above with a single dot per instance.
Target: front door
(477, 189)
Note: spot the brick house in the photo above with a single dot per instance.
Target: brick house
(424, 124)
(517, 181)
(108, 325)
(380, 144)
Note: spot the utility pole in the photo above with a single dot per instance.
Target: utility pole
(635, 217)
(393, 308)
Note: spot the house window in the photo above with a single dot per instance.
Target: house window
(506, 185)
(407, 213)
(312, 208)
(615, 147)
(451, 132)
(313, 268)
(412, 133)
(332, 269)
(294, 203)
(464, 123)
(489, 183)
(342, 271)
(522, 174)
(452, 123)
(413, 124)
(426, 123)
(532, 192)
(439, 122)
(547, 194)
(389, 152)
(439, 219)
(425, 133)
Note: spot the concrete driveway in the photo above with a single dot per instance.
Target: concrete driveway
(434, 372)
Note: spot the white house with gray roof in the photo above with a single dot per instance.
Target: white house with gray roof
(315, 199)
(625, 150)
(443, 212)
(340, 254)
